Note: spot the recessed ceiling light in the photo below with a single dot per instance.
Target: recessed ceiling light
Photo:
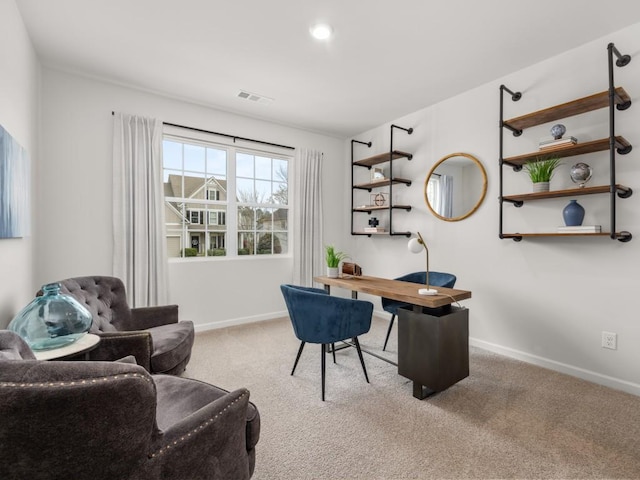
(321, 31)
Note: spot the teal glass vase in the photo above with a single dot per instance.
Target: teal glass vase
(52, 320)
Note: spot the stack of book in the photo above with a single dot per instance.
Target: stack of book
(581, 229)
(561, 142)
(373, 229)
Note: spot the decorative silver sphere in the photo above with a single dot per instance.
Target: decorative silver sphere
(557, 131)
(581, 173)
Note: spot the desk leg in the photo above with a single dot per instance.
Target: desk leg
(354, 294)
(421, 392)
(433, 348)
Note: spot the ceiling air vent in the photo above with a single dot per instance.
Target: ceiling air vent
(254, 97)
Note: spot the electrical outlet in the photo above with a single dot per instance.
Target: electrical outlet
(610, 340)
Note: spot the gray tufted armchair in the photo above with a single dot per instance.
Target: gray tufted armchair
(153, 335)
(115, 421)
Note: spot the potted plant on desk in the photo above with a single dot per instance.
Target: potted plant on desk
(333, 258)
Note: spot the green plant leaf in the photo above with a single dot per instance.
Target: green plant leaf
(334, 257)
(541, 170)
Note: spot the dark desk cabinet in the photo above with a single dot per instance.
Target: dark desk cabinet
(433, 347)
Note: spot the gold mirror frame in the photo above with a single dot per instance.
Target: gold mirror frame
(482, 194)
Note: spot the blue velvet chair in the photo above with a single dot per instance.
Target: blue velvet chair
(437, 279)
(317, 317)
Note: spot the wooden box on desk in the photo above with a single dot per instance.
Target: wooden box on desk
(433, 346)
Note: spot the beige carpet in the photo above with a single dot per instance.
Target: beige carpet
(508, 419)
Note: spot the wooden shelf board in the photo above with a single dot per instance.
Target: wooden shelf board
(359, 232)
(571, 192)
(381, 158)
(556, 234)
(385, 183)
(405, 234)
(567, 151)
(569, 109)
(370, 208)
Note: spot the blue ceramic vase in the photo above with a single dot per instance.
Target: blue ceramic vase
(573, 214)
(52, 320)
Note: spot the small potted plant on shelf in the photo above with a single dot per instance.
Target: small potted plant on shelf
(333, 258)
(541, 171)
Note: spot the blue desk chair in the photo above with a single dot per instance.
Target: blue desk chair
(317, 317)
(436, 279)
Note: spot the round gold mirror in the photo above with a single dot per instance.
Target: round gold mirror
(455, 187)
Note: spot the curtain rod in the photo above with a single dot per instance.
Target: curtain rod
(234, 137)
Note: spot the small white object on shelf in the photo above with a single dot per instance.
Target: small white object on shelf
(580, 229)
(377, 175)
(563, 142)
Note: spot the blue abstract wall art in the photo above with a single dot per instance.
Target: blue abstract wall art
(15, 181)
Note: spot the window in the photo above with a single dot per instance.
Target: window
(433, 192)
(262, 193)
(224, 201)
(195, 216)
(217, 217)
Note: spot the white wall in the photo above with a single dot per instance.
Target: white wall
(75, 211)
(18, 115)
(545, 301)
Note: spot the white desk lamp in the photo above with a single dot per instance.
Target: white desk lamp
(416, 245)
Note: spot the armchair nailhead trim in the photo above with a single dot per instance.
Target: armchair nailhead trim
(200, 427)
(73, 382)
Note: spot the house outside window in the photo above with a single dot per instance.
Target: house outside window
(224, 201)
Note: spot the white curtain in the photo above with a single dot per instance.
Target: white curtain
(446, 192)
(139, 249)
(308, 252)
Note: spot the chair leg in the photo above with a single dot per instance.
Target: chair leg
(393, 317)
(364, 369)
(333, 349)
(323, 362)
(298, 357)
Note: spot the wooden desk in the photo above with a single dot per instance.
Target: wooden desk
(395, 289)
(433, 335)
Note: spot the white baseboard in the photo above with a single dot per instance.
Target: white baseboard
(574, 371)
(588, 375)
(203, 327)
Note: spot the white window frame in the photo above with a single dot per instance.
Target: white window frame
(217, 215)
(215, 191)
(231, 205)
(198, 211)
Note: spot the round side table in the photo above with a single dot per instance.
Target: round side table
(83, 345)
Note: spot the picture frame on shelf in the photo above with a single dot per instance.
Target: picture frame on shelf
(379, 199)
